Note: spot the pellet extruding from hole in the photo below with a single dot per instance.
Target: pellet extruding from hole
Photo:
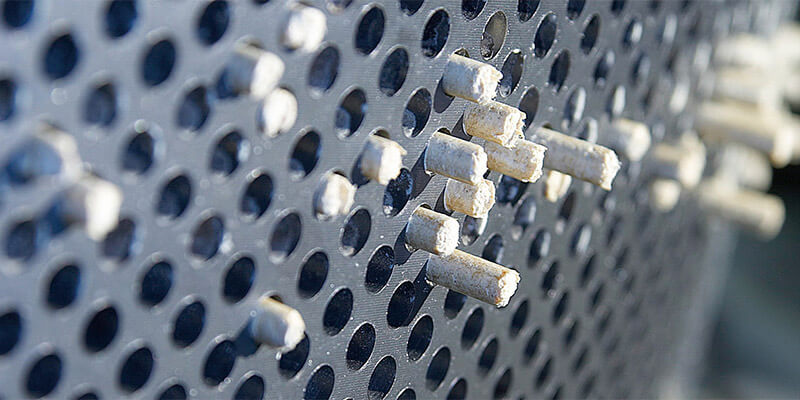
(664, 194)
(455, 158)
(470, 79)
(578, 158)
(63, 144)
(755, 211)
(254, 71)
(431, 231)
(556, 185)
(382, 159)
(629, 138)
(94, 204)
(744, 166)
(472, 200)
(334, 196)
(277, 325)
(494, 122)
(278, 113)
(473, 276)
(304, 29)
(677, 162)
(749, 86)
(522, 160)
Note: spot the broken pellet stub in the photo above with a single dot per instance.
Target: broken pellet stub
(455, 158)
(556, 185)
(94, 204)
(755, 211)
(470, 79)
(578, 158)
(277, 325)
(278, 113)
(382, 159)
(522, 160)
(494, 122)
(473, 200)
(254, 71)
(629, 138)
(473, 276)
(664, 194)
(431, 231)
(334, 196)
(304, 28)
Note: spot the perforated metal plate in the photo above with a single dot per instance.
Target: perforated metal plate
(215, 214)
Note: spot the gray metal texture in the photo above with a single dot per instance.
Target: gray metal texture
(605, 281)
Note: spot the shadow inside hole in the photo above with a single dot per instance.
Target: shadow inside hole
(441, 100)
(419, 176)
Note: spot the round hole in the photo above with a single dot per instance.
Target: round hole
(545, 35)
(219, 363)
(512, 72)
(519, 318)
(175, 196)
(488, 357)
(136, 370)
(252, 388)
(551, 278)
(561, 307)
(313, 274)
(158, 62)
(453, 303)
(138, 155)
(417, 112)
(284, 238)
(393, 72)
(596, 297)
(618, 5)
(401, 305)
(576, 104)
(437, 369)
(493, 251)
(420, 338)
(256, 197)
(494, 35)
(590, 34)
(575, 8)
(369, 31)
(335, 6)
(379, 269)
(118, 244)
(207, 237)
(641, 69)
(471, 8)
(174, 392)
(458, 391)
(407, 394)
(589, 131)
(587, 272)
(64, 286)
(616, 101)
(305, 155)
(633, 34)
(323, 70)
(435, 34)
(320, 385)
(543, 374)
(350, 113)
(472, 328)
(43, 376)
(229, 152)
(213, 22)
(581, 240)
(410, 7)
(501, 388)
(156, 283)
(101, 106)
(194, 110)
(239, 279)
(61, 57)
(10, 331)
(471, 229)
(529, 104)
(524, 217)
(360, 347)
(526, 9)
(559, 71)
(17, 13)
(397, 193)
(570, 334)
(101, 329)
(293, 361)
(540, 248)
(189, 324)
(510, 190)
(8, 98)
(121, 16)
(355, 232)
(337, 312)
(603, 68)
(382, 378)
(532, 346)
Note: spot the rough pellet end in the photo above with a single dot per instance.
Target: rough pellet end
(470, 79)
(277, 325)
(523, 160)
(304, 29)
(431, 231)
(334, 196)
(493, 121)
(631, 138)
(455, 158)
(382, 159)
(279, 112)
(473, 200)
(556, 185)
(473, 276)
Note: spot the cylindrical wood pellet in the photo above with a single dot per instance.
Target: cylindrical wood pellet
(382, 159)
(431, 231)
(522, 160)
(334, 196)
(95, 204)
(556, 185)
(493, 121)
(758, 212)
(578, 158)
(455, 158)
(473, 276)
(278, 325)
(279, 112)
(677, 163)
(470, 79)
(254, 71)
(664, 194)
(473, 200)
(629, 138)
(304, 29)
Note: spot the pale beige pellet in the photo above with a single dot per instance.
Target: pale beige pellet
(556, 185)
(431, 231)
(664, 194)
(473, 276)
(254, 71)
(629, 138)
(304, 29)
(473, 200)
(334, 196)
(522, 160)
(94, 204)
(493, 121)
(747, 125)
(470, 79)
(744, 166)
(677, 162)
(745, 50)
(758, 212)
(277, 325)
(455, 158)
(278, 113)
(747, 85)
(578, 158)
(382, 159)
